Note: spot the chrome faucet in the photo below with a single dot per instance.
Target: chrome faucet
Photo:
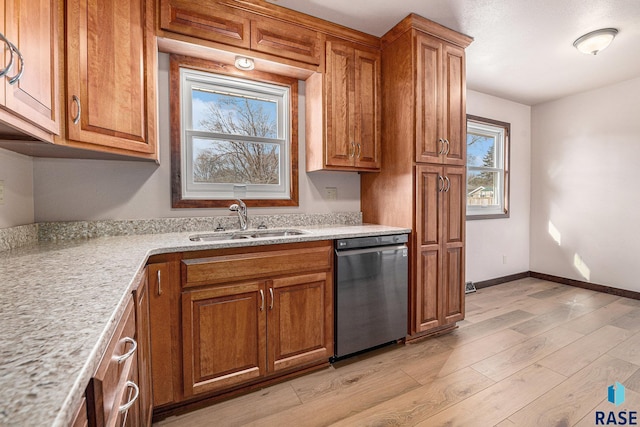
(241, 208)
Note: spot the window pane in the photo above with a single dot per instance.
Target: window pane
(483, 188)
(235, 162)
(481, 150)
(233, 114)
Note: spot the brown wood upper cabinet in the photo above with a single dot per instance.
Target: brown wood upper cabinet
(111, 76)
(343, 110)
(220, 23)
(29, 90)
(440, 101)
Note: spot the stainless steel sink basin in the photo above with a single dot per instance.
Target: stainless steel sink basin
(276, 233)
(254, 234)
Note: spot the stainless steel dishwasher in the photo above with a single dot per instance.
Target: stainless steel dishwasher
(371, 292)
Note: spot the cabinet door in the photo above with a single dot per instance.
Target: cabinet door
(216, 357)
(32, 26)
(164, 288)
(144, 347)
(367, 109)
(286, 40)
(111, 75)
(205, 20)
(340, 104)
(430, 185)
(453, 244)
(300, 321)
(453, 106)
(428, 80)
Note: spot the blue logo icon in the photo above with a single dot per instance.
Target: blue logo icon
(616, 394)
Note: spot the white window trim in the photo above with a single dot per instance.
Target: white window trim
(194, 79)
(502, 140)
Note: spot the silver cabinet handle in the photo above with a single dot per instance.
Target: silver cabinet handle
(16, 78)
(441, 184)
(352, 152)
(10, 64)
(441, 141)
(262, 299)
(159, 277)
(76, 100)
(446, 141)
(359, 150)
(128, 354)
(124, 408)
(448, 184)
(271, 294)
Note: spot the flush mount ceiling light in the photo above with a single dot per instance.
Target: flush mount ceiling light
(595, 41)
(244, 63)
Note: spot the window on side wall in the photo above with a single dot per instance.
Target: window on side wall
(487, 168)
(233, 136)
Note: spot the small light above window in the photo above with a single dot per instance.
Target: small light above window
(244, 63)
(595, 41)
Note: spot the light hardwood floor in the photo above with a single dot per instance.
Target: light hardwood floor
(529, 353)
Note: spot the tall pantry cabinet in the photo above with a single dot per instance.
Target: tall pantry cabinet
(422, 181)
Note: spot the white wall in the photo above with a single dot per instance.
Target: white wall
(585, 198)
(70, 189)
(16, 172)
(490, 241)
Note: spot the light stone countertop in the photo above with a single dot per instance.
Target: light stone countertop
(59, 304)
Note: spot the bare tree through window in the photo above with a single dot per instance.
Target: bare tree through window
(234, 160)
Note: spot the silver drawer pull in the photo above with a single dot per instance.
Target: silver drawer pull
(128, 354)
(124, 408)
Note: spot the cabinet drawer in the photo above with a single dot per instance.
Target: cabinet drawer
(109, 389)
(228, 267)
(205, 20)
(286, 40)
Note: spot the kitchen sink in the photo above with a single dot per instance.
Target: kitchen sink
(254, 234)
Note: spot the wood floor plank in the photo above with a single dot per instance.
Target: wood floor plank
(465, 355)
(628, 350)
(630, 321)
(600, 317)
(498, 401)
(544, 322)
(572, 400)
(344, 400)
(518, 357)
(256, 405)
(421, 403)
(351, 371)
(583, 351)
(486, 327)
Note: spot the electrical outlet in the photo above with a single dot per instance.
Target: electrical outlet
(1, 192)
(331, 193)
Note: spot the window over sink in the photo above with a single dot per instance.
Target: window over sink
(234, 135)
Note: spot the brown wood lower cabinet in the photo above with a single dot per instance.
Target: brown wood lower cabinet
(224, 320)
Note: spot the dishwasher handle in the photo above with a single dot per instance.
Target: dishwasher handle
(348, 252)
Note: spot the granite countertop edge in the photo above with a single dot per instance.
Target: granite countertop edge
(19, 262)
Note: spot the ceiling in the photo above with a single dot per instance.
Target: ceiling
(522, 50)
